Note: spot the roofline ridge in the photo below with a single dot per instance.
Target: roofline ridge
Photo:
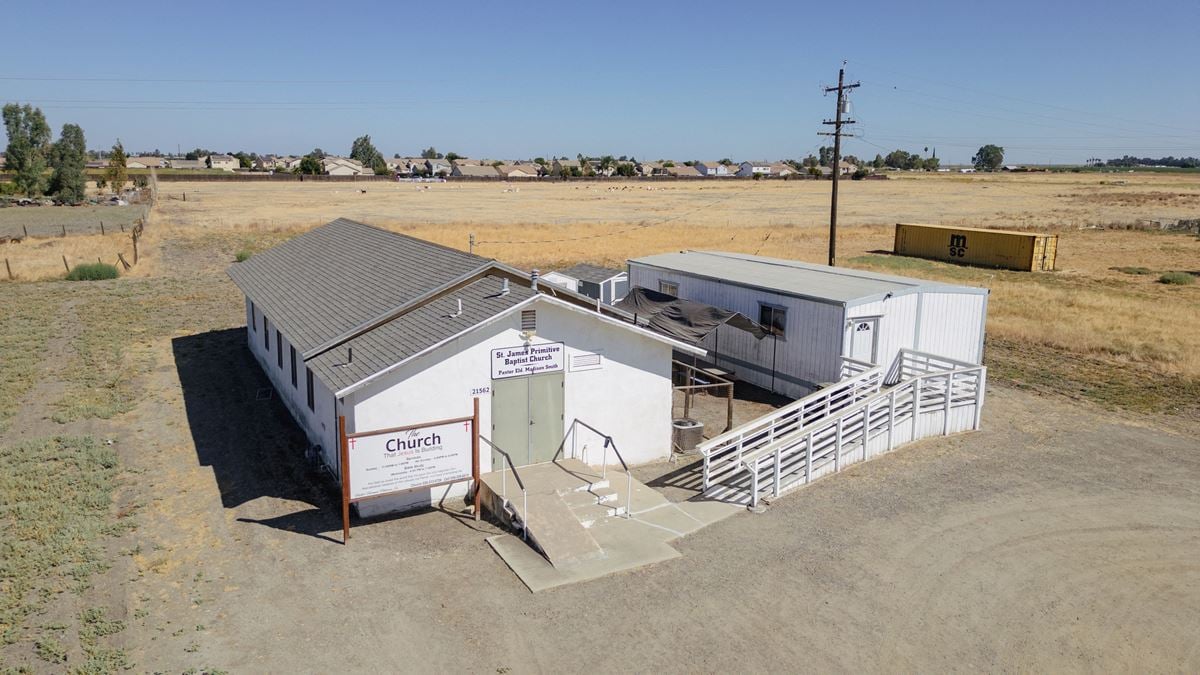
(424, 242)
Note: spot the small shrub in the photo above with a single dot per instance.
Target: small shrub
(1132, 270)
(243, 255)
(1177, 278)
(93, 272)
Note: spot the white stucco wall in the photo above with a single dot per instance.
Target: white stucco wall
(629, 397)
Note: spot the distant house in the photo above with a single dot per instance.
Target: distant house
(848, 168)
(682, 171)
(474, 171)
(568, 164)
(782, 169)
(603, 284)
(650, 169)
(274, 162)
(748, 169)
(224, 162)
(518, 170)
(438, 167)
(715, 169)
(145, 163)
(191, 164)
(344, 166)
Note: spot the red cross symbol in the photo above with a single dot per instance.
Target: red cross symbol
(352, 440)
(467, 425)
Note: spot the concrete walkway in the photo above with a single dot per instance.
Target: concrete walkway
(583, 525)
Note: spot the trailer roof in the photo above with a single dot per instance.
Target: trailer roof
(792, 277)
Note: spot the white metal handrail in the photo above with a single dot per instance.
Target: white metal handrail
(857, 425)
(608, 442)
(504, 486)
(722, 455)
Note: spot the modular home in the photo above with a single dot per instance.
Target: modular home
(817, 316)
(600, 283)
(388, 331)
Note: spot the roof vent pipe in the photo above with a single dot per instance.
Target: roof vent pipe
(504, 287)
(349, 355)
(533, 279)
(457, 312)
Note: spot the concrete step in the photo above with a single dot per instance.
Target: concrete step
(591, 514)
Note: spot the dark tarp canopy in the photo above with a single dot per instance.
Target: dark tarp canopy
(685, 320)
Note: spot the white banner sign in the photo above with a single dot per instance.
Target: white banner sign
(527, 360)
(402, 460)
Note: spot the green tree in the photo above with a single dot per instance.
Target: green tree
(826, 155)
(310, 164)
(28, 147)
(452, 156)
(932, 164)
(726, 161)
(365, 152)
(878, 163)
(989, 158)
(69, 159)
(431, 153)
(116, 173)
(380, 167)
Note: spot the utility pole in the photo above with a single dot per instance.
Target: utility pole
(837, 134)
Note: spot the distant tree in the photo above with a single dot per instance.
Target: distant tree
(245, 160)
(814, 171)
(540, 161)
(310, 164)
(931, 164)
(379, 166)
(69, 158)
(198, 153)
(668, 164)
(989, 158)
(810, 161)
(851, 159)
(431, 153)
(452, 156)
(878, 163)
(365, 153)
(116, 173)
(726, 161)
(28, 147)
(690, 162)
(607, 162)
(826, 155)
(626, 169)
(318, 153)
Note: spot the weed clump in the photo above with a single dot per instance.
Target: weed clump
(93, 272)
(1177, 279)
(243, 255)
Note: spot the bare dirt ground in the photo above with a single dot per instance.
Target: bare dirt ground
(1063, 537)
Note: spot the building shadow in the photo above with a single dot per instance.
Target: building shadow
(245, 434)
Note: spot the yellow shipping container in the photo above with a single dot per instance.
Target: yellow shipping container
(1024, 251)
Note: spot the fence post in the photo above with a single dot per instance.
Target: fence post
(946, 413)
(808, 451)
(837, 446)
(25, 230)
(66, 265)
(980, 383)
(9, 268)
(891, 418)
(778, 467)
(102, 228)
(64, 230)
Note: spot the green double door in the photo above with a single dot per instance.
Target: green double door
(527, 418)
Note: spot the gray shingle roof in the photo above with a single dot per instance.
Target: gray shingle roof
(591, 273)
(318, 286)
(792, 277)
(415, 331)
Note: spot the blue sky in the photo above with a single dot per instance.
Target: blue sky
(1049, 81)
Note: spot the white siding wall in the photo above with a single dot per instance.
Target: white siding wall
(319, 425)
(952, 325)
(809, 353)
(897, 325)
(629, 398)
